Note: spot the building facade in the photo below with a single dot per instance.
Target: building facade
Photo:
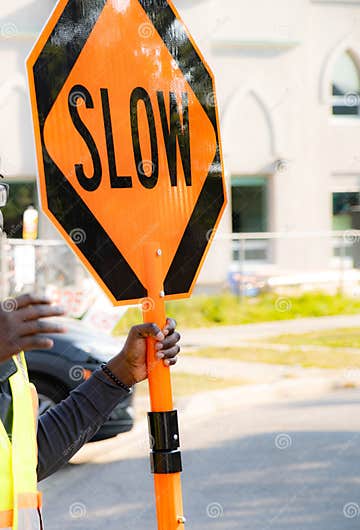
(288, 87)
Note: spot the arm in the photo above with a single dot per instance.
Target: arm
(65, 428)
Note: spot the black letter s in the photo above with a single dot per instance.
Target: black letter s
(88, 183)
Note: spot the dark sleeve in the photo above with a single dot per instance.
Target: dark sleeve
(65, 428)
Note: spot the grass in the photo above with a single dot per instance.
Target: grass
(336, 338)
(293, 357)
(187, 384)
(226, 309)
(330, 359)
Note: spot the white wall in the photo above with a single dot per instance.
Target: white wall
(273, 63)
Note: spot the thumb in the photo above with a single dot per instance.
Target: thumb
(143, 331)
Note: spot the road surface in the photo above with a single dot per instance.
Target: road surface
(270, 466)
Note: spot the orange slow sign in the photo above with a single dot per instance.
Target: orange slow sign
(127, 141)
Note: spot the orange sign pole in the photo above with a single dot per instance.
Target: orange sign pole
(168, 492)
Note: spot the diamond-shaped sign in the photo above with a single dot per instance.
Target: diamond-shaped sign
(127, 139)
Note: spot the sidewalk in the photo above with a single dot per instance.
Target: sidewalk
(228, 336)
(258, 373)
(261, 373)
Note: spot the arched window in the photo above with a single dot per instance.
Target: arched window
(346, 87)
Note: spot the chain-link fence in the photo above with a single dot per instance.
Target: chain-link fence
(47, 267)
(258, 248)
(256, 261)
(328, 260)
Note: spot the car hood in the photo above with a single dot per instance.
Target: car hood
(79, 336)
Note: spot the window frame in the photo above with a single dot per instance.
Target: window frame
(345, 100)
(255, 181)
(11, 181)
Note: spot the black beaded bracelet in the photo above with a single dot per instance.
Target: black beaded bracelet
(116, 380)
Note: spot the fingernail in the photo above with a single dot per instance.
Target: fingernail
(158, 346)
(160, 355)
(160, 336)
(167, 362)
(166, 332)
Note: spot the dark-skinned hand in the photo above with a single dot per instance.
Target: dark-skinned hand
(130, 365)
(23, 324)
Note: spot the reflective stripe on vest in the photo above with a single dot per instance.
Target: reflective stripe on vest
(20, 501)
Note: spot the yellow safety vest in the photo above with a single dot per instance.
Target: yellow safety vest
(20, 501)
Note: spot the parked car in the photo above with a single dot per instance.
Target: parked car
(72, 359)
(246, 283)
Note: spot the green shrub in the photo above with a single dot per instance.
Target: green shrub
(226, 309)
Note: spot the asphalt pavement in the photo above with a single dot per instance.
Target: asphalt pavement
(272, 465)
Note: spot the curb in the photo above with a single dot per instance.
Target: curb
(196, 407)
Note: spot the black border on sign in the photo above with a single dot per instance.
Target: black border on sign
(196, 237)
(50, 73)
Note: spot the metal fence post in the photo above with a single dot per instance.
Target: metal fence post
(342, 265)
(4, 288)
(241, 250)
